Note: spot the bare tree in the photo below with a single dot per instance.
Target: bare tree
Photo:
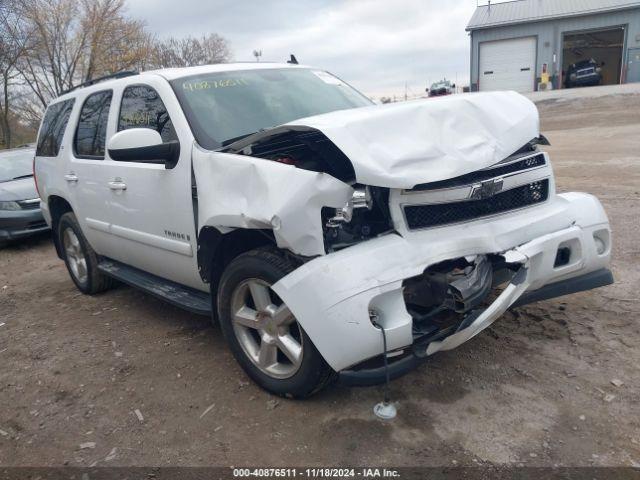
(50, 46)
(115, 43)
(56, 46)
(192, 51)
(75, 41)
(13, 44)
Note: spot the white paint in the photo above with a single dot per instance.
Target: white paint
(134, 138)
(247, 192)
(403, 144)
(508, 65)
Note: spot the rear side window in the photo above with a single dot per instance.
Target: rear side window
(142, 108)
(53, 127)
(92, 126)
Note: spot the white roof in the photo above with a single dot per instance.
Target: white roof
(524, 11)
(173, 73)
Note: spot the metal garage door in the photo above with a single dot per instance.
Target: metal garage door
(508, 65)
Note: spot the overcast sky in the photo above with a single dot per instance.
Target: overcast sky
(375, 45)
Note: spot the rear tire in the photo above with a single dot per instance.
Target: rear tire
(79, 257)
(263, 335)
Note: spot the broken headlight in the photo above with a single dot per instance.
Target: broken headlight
(361, 198)
(364, 216)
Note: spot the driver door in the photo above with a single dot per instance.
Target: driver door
(151, 207)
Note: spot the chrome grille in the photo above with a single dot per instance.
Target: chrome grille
(424, 216)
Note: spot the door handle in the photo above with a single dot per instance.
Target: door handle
(117, 184)
(71, 177)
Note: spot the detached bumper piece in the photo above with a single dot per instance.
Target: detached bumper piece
(599, 278)
(372, 372)
(369, 375)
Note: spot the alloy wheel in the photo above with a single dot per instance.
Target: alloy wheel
(75, 255)
(266, 329)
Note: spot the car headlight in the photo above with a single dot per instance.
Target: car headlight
(361, 198)
(10, 206)
(365, 216)
(572, 76)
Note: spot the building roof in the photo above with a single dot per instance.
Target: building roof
(524, 11)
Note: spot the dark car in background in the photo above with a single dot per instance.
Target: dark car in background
(443, 87)
(20, 214)
(585, 73)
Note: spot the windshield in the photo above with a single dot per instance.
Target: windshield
(441, 85)
(225, 106)
(16, 164)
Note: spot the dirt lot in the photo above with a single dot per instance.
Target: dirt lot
(535, 389)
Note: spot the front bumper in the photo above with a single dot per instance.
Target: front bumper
(21, 223)
(332, 296)
(361, 377)
(585, 81)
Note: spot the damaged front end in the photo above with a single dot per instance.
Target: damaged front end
(435, 290)
(425, 220)
(447, 298)
(450, 296)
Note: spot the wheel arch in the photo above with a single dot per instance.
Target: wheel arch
(216, 250)
(58, 206)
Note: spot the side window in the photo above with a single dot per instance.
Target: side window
(92, 126)
(53, 126)
(142, 108)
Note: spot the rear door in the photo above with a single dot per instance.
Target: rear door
(53, 138)
(508, 65)
(151, 208)
(87, 172)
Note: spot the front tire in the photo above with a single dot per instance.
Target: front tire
(79, 257)
(263, 335)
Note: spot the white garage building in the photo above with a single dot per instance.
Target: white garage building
(513, 43)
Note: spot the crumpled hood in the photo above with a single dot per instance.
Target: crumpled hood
(404, 144)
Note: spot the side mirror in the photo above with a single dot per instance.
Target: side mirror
(143, 145)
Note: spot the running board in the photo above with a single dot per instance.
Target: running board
(186, 298)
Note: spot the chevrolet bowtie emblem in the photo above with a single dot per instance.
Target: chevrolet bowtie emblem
(480, 191)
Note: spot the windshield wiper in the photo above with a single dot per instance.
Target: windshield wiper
(240, 137)
(23, 176)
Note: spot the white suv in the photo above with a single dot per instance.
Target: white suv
(329, 237)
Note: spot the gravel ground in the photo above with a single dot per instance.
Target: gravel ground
(124, 379)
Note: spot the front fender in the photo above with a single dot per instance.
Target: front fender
(239, 191)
